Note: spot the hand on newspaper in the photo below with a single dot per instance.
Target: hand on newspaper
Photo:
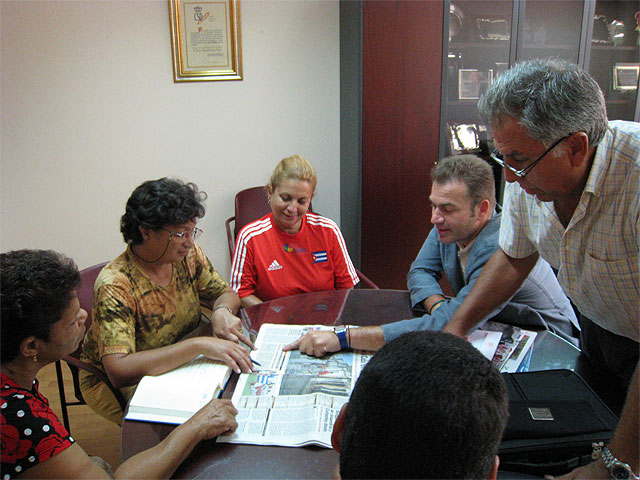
(316, 343)
(216, 418)
(228, 326)
(232, 354)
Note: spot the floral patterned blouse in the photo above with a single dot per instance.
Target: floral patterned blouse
(31, 431)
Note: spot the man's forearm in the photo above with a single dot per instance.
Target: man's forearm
(500, 279)
(366, 338)
(430, 302)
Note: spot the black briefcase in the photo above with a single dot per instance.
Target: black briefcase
(555, 418)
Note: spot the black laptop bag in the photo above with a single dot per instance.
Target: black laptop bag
(554, 420)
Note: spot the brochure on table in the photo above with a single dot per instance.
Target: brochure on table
(507, 346)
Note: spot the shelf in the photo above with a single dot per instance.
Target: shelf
(479, 44)
(617, 101)
(550, 46)
(622, 48)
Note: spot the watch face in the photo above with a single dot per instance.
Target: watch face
(620, 472)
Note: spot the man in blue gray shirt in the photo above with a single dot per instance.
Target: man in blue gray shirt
(464, 237)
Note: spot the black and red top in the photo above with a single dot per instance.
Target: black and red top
(31, 431)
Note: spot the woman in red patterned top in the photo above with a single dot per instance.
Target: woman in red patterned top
(41, 321)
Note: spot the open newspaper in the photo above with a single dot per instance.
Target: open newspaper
(293, 399)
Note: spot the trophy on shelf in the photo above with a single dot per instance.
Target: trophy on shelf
(456, 19)
(607, 32)
(535, 32)
(616, 32)
(600, 29)
(493, 28)
(466, 137)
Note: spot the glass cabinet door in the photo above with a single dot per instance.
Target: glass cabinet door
(551, 28)
(485, 37)
(476, 52)
(615, 56)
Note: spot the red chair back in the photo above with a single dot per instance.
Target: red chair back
(85, 296)
(251, 204)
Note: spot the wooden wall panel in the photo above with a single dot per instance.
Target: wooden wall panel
(401, 82)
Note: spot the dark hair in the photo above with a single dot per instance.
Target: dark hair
(471, 170)
(551, 98)
(157, 203)
(35, 290)
(427, 405)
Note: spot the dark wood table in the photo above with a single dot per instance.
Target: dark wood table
(355, 307)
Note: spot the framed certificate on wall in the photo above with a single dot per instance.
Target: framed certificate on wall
(205, 40)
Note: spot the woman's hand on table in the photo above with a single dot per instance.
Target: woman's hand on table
(227, 326)
(234, 355)
(216, 418)
(316, 343)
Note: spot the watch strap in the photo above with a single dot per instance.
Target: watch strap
(341, 332)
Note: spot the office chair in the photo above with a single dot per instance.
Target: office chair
(252, 204)
(85, 296)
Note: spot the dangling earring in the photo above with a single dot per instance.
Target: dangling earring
(35, 357)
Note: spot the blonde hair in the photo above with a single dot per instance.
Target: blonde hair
(292, 168)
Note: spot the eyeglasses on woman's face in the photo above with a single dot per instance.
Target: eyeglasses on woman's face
(194, 234)
(497, 157)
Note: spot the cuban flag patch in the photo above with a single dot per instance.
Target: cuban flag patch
(319, 257)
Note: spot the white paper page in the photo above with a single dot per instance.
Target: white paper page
(184, 389)
(485, 341)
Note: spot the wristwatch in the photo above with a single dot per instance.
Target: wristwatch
(617, 469)
(341, 332)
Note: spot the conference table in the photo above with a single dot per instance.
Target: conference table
(354, 307)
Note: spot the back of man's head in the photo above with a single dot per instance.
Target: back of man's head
(427, 405)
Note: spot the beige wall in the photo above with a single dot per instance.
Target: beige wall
(89, 111)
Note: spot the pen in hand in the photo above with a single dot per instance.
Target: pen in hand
(257, 363)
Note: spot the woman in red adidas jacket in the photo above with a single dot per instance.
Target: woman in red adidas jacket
(290, 250)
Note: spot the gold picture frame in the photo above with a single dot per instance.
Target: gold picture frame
(625, 76)
(205, 40)
(472, 83)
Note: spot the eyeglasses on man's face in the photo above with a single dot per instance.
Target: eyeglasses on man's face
(194, 234)
(497, 157)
